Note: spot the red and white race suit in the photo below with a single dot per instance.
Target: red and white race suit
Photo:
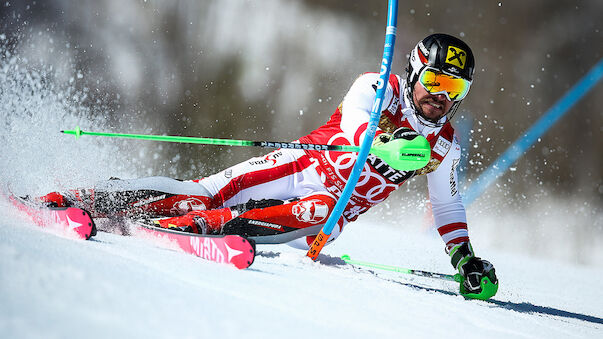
(288, 174)
(304, 183)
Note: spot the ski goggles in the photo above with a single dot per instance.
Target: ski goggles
(437, 82)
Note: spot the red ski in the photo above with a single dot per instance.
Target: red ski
(228, 249)
(68, 221)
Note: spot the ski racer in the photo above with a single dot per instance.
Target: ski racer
(287, 195)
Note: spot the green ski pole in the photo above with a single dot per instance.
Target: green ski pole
(489, 289)
(442, 276)
(401, 154)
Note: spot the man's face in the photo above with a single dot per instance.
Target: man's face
(433, 107)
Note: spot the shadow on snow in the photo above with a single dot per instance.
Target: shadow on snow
(523, 307)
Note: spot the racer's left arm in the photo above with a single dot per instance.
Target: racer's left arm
(448, 209)
(451, 222)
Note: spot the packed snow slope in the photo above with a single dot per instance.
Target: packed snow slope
(548, 257)
(125, 287)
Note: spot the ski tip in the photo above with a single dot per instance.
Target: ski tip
(251, 242)
(251, 250)
(78, 221)
(91, 223)
(248, 254)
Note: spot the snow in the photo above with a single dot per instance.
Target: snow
(123, 286)
(548, 255)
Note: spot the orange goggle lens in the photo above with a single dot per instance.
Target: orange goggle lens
(436, 82)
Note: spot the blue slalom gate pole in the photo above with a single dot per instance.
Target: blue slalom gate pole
(388, 54)
(519, 147)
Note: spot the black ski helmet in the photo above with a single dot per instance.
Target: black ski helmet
(444, 53)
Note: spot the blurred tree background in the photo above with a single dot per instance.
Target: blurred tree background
(276, 69)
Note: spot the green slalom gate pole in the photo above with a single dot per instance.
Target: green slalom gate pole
(365, 147)
(401, 154)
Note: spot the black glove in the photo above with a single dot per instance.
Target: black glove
(400, 133)
(471, 268)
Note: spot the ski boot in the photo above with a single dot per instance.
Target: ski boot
(53, 199)
(201, 222)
